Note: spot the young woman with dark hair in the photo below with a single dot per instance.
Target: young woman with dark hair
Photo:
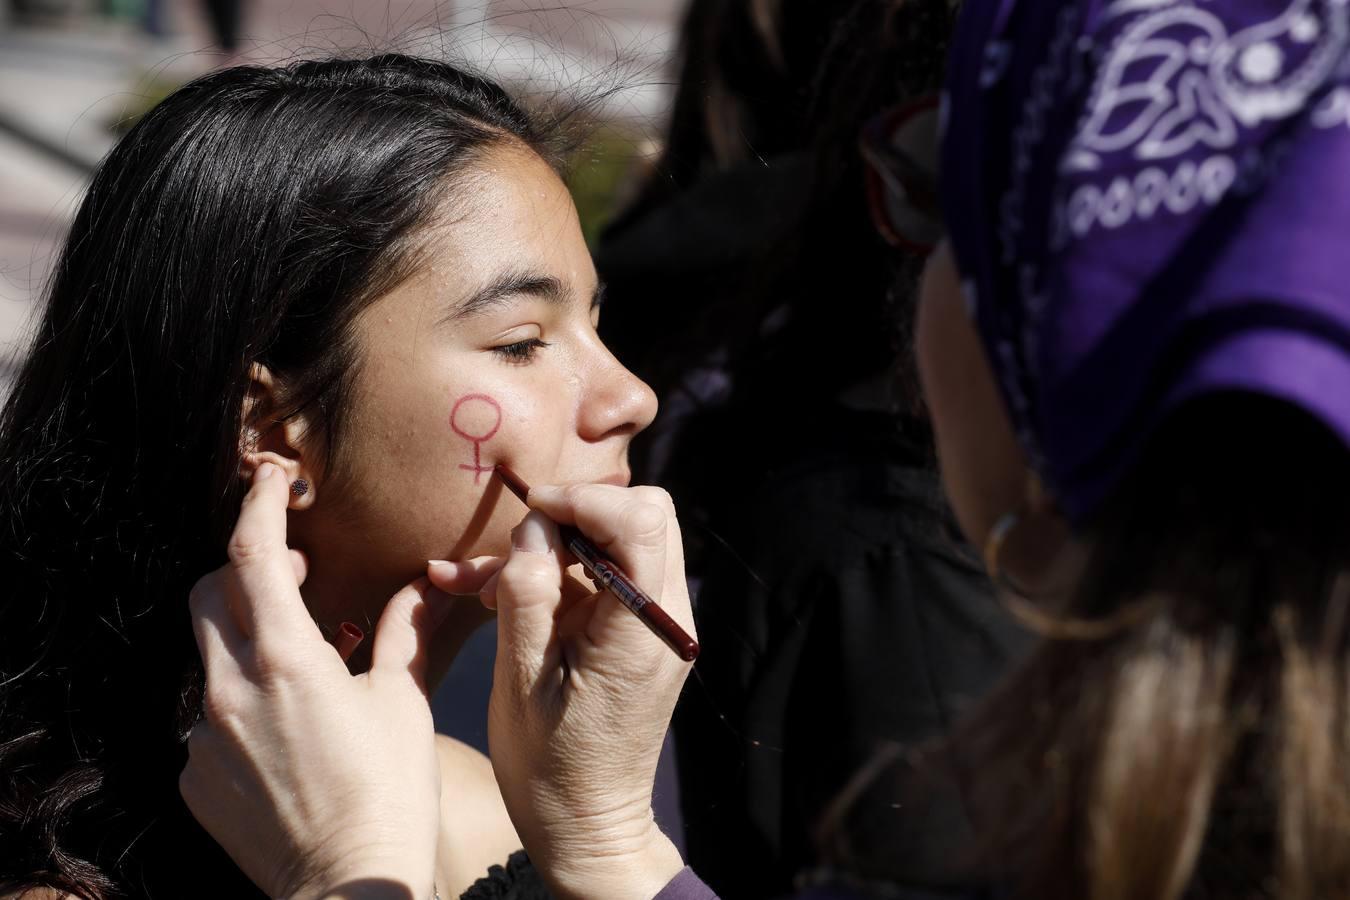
(365, 274)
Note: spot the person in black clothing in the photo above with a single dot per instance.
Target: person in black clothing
(747, 284)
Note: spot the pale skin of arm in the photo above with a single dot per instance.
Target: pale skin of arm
(476, 832)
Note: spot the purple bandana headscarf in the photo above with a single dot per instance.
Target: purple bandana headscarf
(1149, 200)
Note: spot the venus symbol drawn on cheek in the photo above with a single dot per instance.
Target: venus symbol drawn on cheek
(476, 418)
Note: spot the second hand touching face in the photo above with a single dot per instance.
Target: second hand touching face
(488, 354)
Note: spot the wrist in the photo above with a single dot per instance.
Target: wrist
(370, 880)
(376, 889)
(639, 873)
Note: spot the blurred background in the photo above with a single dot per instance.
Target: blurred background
(74, 74)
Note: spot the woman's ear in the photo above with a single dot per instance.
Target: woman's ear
(265, 437)
(984, 469)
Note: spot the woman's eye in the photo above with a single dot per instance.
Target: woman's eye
(521, 351)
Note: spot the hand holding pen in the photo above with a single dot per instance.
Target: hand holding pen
(609, 576)
(583, 690)
(582, 696)
(292, 748)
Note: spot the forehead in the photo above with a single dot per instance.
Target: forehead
(509, 210)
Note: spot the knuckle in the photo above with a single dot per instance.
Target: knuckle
(274, 664)
(200, 594)
(187, 784)
(528, 575)
(245, 547)
(488, 595)
(657, 496)
(403, 602)
(404, 607)
(196, 741)
(645, 522)
(221, 706)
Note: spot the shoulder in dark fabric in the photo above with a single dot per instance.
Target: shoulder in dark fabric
(517, 880)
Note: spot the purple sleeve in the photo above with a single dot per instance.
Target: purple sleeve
(686, 886)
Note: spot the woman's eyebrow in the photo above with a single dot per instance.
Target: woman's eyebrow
(505, 288)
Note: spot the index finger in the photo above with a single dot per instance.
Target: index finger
(635, 526)
(268, 597)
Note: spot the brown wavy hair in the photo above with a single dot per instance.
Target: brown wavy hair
(1184, 732)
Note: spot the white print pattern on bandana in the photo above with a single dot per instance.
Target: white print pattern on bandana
(1157, 190)
(1203, 89)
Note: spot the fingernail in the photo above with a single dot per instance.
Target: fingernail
(266, 470)
(532, 534)
(443, 568)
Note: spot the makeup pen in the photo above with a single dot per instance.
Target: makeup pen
(347, 639)
(604, 570)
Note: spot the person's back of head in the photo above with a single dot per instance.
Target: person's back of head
(1183, 725)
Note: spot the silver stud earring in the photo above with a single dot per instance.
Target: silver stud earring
(299, 487)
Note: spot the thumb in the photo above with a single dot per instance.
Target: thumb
(526, 593)
(404, 633)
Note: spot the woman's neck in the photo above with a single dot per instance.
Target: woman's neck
(334, 597)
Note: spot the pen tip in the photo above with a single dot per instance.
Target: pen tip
(512, 481)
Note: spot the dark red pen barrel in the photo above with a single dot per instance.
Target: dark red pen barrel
(614, 580)
(666, 628)
(630, 595)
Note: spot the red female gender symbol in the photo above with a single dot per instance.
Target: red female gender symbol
(476, 439)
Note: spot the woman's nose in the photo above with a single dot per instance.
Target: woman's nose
(617, 402)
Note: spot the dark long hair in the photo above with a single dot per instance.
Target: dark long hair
(1184, 729)
(248, 218)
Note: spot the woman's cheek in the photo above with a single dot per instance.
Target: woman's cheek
(489, 426)
(476, 420)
